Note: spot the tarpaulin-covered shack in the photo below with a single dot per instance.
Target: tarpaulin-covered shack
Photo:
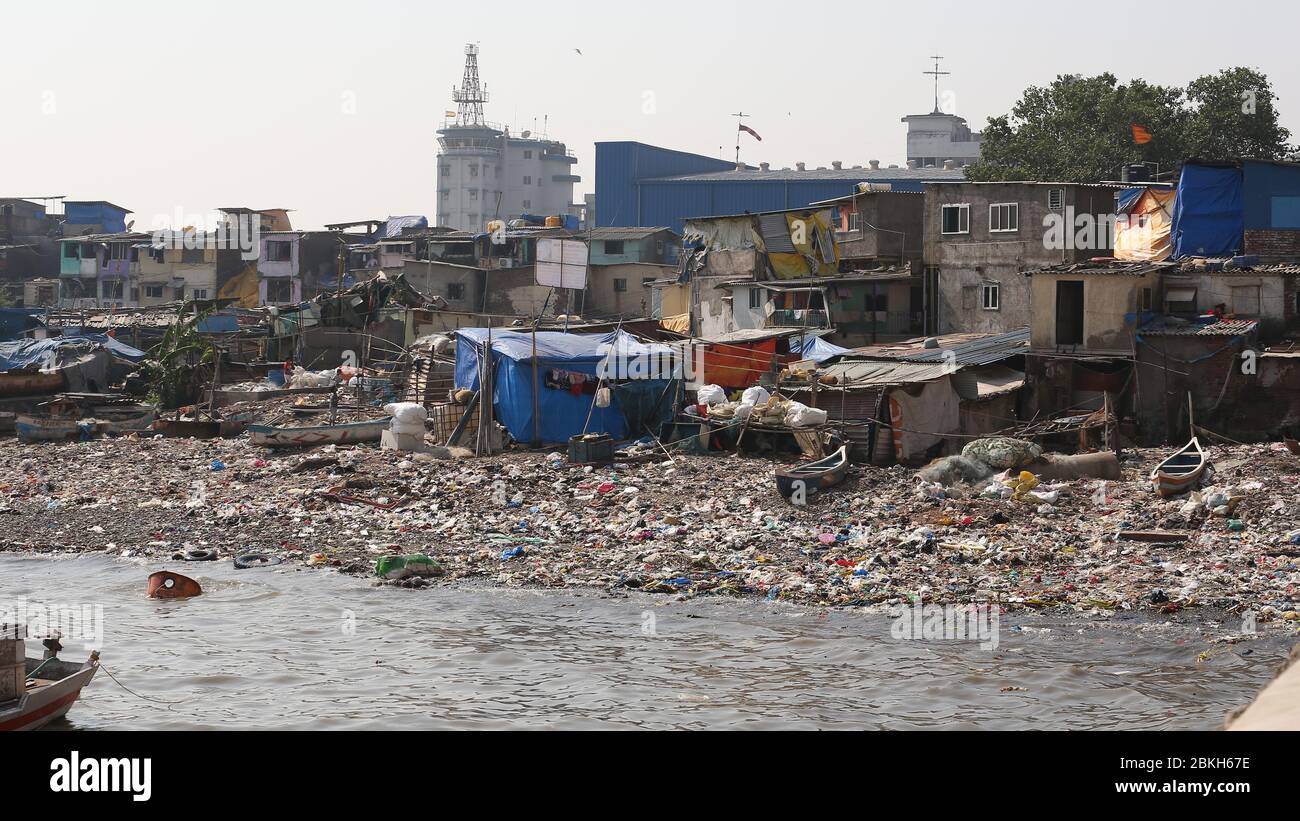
(569, 369)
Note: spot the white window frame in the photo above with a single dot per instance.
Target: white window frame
(855, 221)
(964, 212)
(1012, 212)
(988, 287)
(1060, 195)
(756, 298)
(149, 292)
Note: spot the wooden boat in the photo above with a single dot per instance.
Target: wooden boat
(813, 477)
(1180, 472)
(1293, 446)
(31, 383)
(346, 434)
(45, 429)
(121, 421)
(34, 692)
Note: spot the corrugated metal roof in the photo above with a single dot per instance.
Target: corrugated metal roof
(1115, 268)
(1225, 327)
(985, 383)
(622, 233)
(853, 175)
(759, 334)
(968, 349)
(855, 374)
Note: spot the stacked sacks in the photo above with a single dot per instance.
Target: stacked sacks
(408, 418)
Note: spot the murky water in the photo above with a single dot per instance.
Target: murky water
(314, 650)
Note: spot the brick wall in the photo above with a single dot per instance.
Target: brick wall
(1273, 242)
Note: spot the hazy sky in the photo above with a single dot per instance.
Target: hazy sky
(330, 108)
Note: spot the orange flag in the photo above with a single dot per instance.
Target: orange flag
(1140, 135)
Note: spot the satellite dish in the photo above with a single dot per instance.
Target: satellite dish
(130, 225)
(526, 134)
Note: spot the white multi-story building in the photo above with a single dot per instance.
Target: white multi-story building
(486, 173)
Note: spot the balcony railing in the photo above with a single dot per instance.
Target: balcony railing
(798, 318)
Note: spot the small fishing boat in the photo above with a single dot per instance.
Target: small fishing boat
(345, 434)
(1180, 472)
(123, 420)
(34, 692)
(45, 429)
(812, 477)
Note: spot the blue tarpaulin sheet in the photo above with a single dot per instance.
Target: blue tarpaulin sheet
(814, 348)
(395, 225)
(1128, 198)
(26, 352)
(563, 413)
(1209, 219)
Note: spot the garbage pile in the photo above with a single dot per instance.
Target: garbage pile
(756, 406)
(689, 526)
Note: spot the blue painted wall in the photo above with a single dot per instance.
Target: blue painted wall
(1270, 192)
(95, 213)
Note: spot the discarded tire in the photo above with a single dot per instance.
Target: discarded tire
(251, 560)
(198, 556)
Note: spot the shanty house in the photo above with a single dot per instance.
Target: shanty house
(980, 238)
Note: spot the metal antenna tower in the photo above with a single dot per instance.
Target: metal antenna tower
(471, 95)
(937, 74)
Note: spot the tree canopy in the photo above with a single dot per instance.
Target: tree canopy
(1080, 129)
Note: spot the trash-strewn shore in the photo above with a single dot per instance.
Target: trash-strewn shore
(698, 525)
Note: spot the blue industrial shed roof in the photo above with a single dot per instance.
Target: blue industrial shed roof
(849, 175)
(639, 184)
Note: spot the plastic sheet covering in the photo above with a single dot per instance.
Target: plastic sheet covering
(681, 323)
(1145, 232)
(35, 354)
(562, 413)
(814, 348)
(922, 418)
(1208, 216)
(242, 287)
(647, 404)
(395, 225)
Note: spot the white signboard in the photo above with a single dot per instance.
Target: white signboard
(562, 263)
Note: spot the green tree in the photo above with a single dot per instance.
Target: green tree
(1234, 114)
(1079, 129)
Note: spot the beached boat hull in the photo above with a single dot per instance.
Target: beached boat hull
(121, 424)
(351, 433)
(44, 429)
(813, 477)
(39, 383)
(1181, 472)
(42, 704)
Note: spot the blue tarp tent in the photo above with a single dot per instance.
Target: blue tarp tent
(814, 348)
(118, 349)
(36, 353)
(1209, 220)
(568, 366)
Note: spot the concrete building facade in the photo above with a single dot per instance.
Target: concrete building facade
(936, 138)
